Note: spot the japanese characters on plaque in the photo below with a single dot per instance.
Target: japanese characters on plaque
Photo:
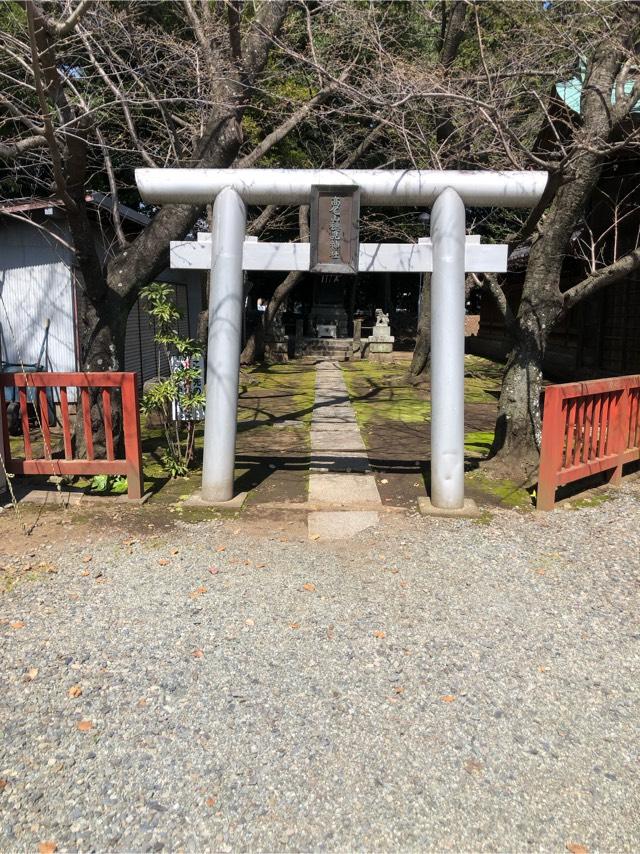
(335, 213)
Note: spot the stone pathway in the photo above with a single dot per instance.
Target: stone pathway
(341, 486)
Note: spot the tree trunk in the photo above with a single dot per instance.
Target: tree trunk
(422, 350)
(101, 331)
(253, 350)
(254, 347)
(516, 446)
(517, 433)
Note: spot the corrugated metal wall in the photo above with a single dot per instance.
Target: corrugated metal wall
(141, 354)
(35, 285)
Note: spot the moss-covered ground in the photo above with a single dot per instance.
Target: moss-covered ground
(394, 416)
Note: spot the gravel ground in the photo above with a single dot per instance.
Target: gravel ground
(438, 685)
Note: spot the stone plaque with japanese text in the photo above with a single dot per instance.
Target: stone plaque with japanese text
(335, 213)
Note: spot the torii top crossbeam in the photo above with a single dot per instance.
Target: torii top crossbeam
(377, 187)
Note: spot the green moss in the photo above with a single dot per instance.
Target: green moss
(591, 501)
(482, 380)
(485, 518)
(381, 392)
(500, 492)
(292, 382)
(478, 444)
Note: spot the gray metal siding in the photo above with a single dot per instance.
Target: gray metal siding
(35, 285)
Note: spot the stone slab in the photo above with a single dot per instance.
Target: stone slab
(469, 510)
(343, 490)
(340, 525)
(339, 438)
(71, 497)
(339, 462)
(235, 503)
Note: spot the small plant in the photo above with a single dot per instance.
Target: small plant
(107, 483)
(178, 398)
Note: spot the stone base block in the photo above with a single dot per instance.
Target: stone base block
(380, 345)
(469, 510)
(234, 503)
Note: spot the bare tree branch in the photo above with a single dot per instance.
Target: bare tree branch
(59, 29)
(602, 278)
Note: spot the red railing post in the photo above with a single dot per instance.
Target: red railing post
(132, 443)
(6, 446)
(552, 449)
(619, 426)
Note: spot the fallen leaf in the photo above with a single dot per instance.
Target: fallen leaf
(129, 542)
(3, 784)
(260, 565)
(330, 631)
(214, 570)
(87, 558)
(309, 587)
(577, 848)
(473, 766)
(221, 549)
(75, 691)
(163, 561)
(384, 480)
(174, 551)
(379, 634)
(250, 622)
(314, 537)
(85, 573)
(398, 690)
(197, 653)
(141, 702)
(17, 624)
(448, 698)
(84, 726)
(294, 625)
(32, 672)
(211, 802)
(47, 847)
(198, 591)
(542, 669)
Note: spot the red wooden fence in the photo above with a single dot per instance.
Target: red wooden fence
(51, 464)
(587, 428)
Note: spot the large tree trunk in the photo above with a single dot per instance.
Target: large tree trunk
(517, 432)
(101, 332)
(515, 450)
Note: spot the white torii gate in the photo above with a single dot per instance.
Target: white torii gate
(448, 254)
